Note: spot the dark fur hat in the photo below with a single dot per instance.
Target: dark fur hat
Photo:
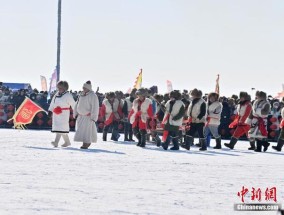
(175, 94)
(142, 92)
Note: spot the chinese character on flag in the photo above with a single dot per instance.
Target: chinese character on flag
(270, 194)
(25, 113)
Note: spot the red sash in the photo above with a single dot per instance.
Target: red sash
(58, 110)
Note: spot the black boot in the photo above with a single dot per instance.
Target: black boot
(199, 144)
(232, 143)
(218, 143)
(188, 140)
(258, 146)
(131, 137)
(252, 145)
(138, 136)
(165, 145)
(203, 144)
(143, 138)
(85, 145)
(175, 143)
(158, 140)
(279, 146)
(265, 145)
(104, 135)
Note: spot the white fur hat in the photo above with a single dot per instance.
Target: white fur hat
(88, 85)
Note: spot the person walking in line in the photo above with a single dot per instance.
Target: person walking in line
(59, 108)
(213, 120)
(280, 141)
(128, 132)
(86, 113)
(173, 120)
(140, 112)
(242, 127)
(111, 112)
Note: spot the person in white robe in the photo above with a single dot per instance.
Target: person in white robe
(59, 108)
(86, 112)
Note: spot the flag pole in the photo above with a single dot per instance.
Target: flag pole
(58, 40)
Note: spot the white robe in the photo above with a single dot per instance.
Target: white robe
(87, 112)
(60, 122)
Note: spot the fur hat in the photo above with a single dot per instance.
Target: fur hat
(244, 95)
(63, 84)
(196, 93)
(262, 95)
(88, 85)
(175, 94)
(110, 95)
(142, 92)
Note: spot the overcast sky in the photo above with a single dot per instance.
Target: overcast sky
(187, 42)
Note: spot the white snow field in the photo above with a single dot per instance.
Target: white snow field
(121, 178)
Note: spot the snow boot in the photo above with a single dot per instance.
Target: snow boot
(66, 140)
(279, 146)
(218, 143)
(258, 146)
(203, 144)
(188, 140)
(165, 145)
(265, 145)
(252, 145)
(115, 135)
(232, 143)
(56, 141)
(85, 145)
(138, 136)
(175, 143)
(104, 135)
(158, 140)
(143, 138)
(199, 144)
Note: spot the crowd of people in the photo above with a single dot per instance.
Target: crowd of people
(180, 115)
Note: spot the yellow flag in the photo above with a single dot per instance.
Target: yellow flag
(138, 81)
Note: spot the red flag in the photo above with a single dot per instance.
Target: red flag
(25, 113)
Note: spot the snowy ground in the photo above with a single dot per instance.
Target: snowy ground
(121, 178)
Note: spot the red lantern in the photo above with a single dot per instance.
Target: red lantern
(272, 134)
(273, 127)
(10, 114)
(39, 115)
(72, 123)
(49, 122)
(273, 119)
(1, 106)
(11, 107)
(39, 122)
